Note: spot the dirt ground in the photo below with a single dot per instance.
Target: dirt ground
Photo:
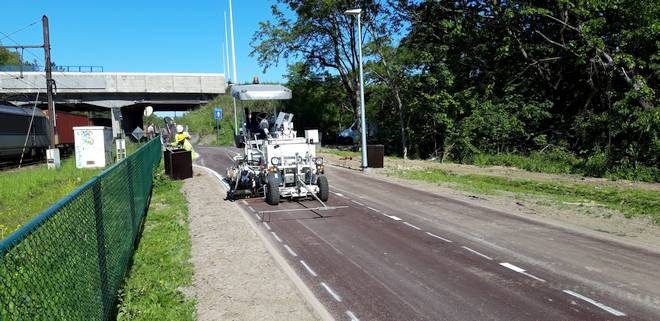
(586, 218)
(235, 277)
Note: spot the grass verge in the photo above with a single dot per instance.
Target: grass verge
(161, 268)
(26, 192)
(201, 121)
(631, 202)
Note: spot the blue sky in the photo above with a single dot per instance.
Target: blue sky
(141, 35)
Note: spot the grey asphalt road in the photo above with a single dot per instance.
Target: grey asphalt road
(398, 253)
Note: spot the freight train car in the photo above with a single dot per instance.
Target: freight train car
(14, 125)
(65, 123)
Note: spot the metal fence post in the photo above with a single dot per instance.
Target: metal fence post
(100, 243)
(131, 196)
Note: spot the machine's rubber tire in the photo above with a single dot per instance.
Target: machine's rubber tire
(324, 189)
(272, 190)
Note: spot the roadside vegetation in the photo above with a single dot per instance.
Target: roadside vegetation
(161, 270)
(26, 192)
(202, 122)
(632, 202)
(555, 86)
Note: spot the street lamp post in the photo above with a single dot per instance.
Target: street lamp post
(363, 123)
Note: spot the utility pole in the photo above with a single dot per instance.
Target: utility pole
(54, 140)
(233, 54)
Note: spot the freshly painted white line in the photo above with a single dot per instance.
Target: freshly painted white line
(290, 250)
(244, 202)
(413, 226)
(396, 218)
(332, 293)
(373, 209)
(356, 202)
(339, 194)
(251, 208)
(218, 176)
(521, 271)
(352, 316)
(276, 237)
(440, 237)
(477, 253)
(309, 269)
(512, 267)
(257, 216)
(596, 303)
(267, 226)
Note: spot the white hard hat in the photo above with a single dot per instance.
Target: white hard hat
(179, 129)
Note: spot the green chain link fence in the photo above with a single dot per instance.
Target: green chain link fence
(69, 262)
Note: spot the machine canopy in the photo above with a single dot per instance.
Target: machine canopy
(260, 92)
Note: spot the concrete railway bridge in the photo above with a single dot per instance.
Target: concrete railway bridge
(123, 95)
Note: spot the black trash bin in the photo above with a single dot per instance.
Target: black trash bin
(375, 156)
(181, 163)
(167, 162)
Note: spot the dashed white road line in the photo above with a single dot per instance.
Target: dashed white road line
(267, 226)
(276, 237)
(413, 226)
(339, 194)
(596, 303)
(251, 208)
(352, 316)
(521, 271)
(244, 202)
(396, 218)
(331, 292)
(356, 202)
(290, 251)
(373, 209)
(478, 253)
(440, 237)
(309, 269)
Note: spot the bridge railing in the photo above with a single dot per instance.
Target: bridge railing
(68, 263)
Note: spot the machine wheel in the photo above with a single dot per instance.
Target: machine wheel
(272, 190)
(324, 189)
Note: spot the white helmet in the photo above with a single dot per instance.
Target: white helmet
(179, 129)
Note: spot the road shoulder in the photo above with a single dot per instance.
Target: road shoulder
(235, 277)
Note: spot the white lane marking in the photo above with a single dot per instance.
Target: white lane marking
(396, 218)
(276, 237)
(218, 176)
(477, 253)
(251, 208)
(373, 209)
(440, 237)
(521, 271)
(244, 202)
(413, 226)
(356, 202)
(257, 216)
(309, 269)
(596, 303)
(339, 194)
(331, 292)
(352, 316)
(267, 226)
(290, 250)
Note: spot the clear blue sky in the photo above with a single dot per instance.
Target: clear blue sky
(141, 35)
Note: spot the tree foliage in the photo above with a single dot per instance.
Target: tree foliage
(459, 79)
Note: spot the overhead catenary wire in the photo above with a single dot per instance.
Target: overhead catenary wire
(19, 30)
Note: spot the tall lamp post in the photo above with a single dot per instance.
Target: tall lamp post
(363, 123)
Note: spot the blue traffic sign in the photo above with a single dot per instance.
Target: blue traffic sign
(217, 113)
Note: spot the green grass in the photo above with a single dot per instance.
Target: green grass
(26, 192)
(339, 152)
(631, 202)
(161, 264)
(201, 121)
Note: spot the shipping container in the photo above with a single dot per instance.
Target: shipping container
(65, 123)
